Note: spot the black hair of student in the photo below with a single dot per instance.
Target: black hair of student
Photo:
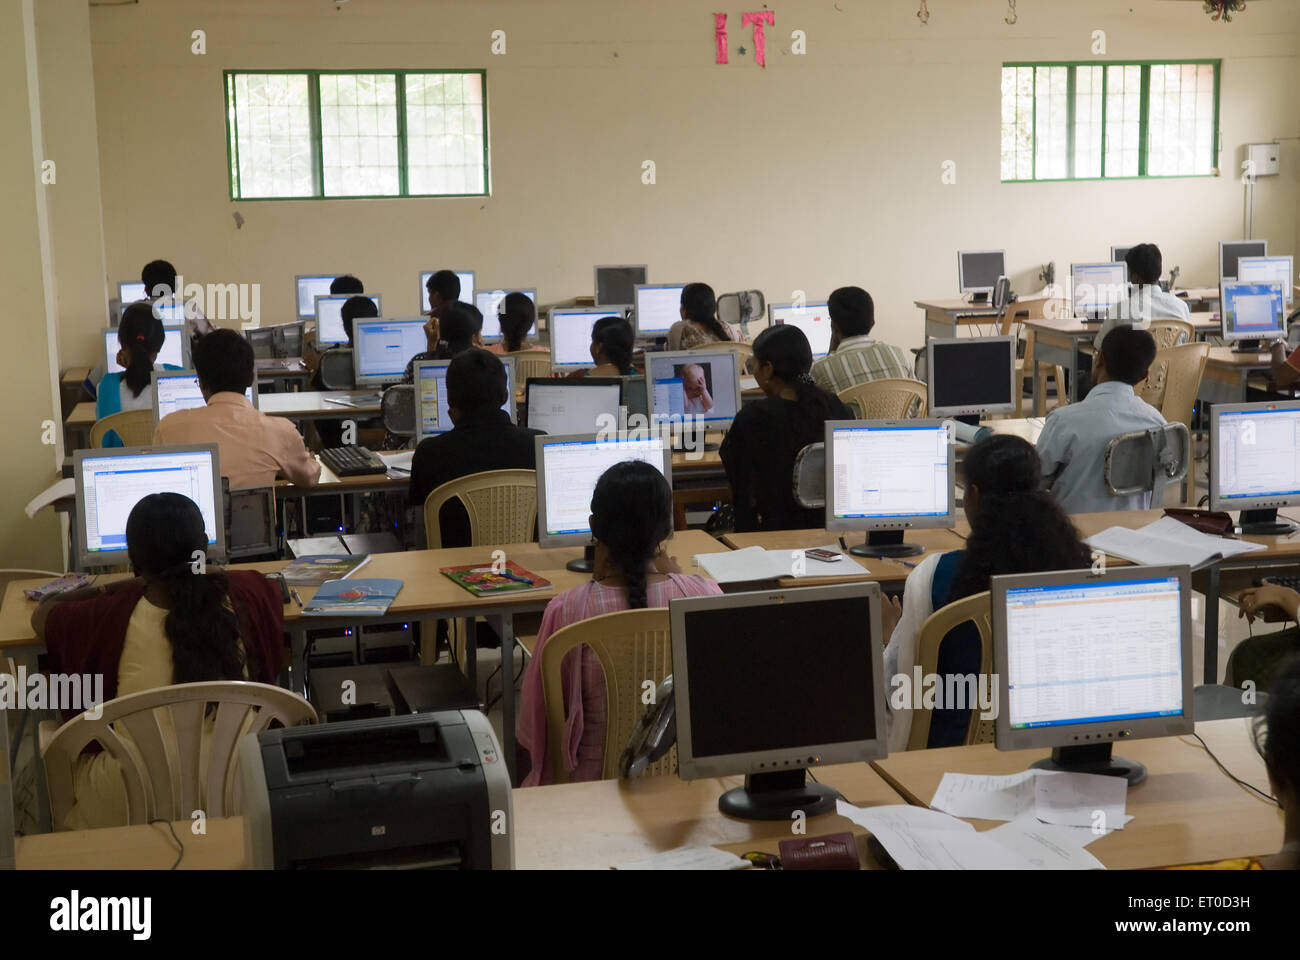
(615, 336)
(1144, 261)
(476, 380)
(852, 311)
(1018, 526)
(460, 321)
(699, 304)
(158, 273)
(163, 531)
(1128, 353)
(1277, 732)
(142, 333)
(356, 308)
(224, 362)
(446, 284)
(346, 284)
(786, 348)
(632, 514)
(518, 315)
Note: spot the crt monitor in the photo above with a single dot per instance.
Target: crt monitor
(616, 285)
(888, 476)
(567, 471)
(978, 271)
(804, 696)
(381, 348)
(1097, 287)
(466, 278)
(329, 316)
(568, 407)
(699, 387)
(179, 390)
(174, 353)
(657, 307)
(307, 289)
(491, 303)
(814, 319)
(569, 329)
(1279, 270)
(1255, 462)
(1251, 312)
(110, 482)
(1231, 251)
(970, 376)
(1082, 660)
(1118, 254)
(131, 291)
(431, 394)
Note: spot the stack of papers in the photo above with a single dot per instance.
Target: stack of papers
(1167, 541)
(755, 563)
(1089, 802)
(399, 463)
(688, 858)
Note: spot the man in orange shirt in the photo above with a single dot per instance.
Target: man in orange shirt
(254, 448)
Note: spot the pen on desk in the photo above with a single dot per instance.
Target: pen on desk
(909, 564)
(844, 545)
(296, 599)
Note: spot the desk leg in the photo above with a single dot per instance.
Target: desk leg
(471, 651)
(1212, 625)
(508, 692)
(298, 660)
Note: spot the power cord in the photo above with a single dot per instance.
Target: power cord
(1267, 797)
(177, 840)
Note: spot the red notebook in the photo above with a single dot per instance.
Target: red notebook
(487, 579)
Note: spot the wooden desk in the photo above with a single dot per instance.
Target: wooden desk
(878, 569)
(316, 405)
(148, 847)
(1226, 374)
(1186, 811)
(76, 426)
(943, 318)
(290, 372)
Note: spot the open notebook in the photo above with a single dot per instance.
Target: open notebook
(1167, 541)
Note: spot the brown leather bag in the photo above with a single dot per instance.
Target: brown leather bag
(1214, 522)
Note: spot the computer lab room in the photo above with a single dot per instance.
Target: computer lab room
(582, 435)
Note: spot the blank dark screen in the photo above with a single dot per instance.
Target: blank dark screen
(618, 286)
(1233, 252)
(777, 676)
(971, 374)
(981, 269)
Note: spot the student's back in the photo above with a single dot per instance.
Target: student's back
(855, 357)
(140, 338)
(699, 325)
(1146, 303)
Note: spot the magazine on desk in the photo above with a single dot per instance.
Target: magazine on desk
(313, 570)
(487, 579)
(347, 598)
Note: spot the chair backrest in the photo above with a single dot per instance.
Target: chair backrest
(743, 310)
(502, 506)
(250, 523)
(810, 477)
(889, 399)
(739, 347)
(262, 340)
(288, 338)
(133, 427)
(530, 363)
(1171, 333)
(633, 646)
(172, 761)
(1146, 460)
(398, 407)
(336, 371)
(974, 609)
(1174, 380)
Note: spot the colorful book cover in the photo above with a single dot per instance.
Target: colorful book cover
(348, 598)
(315, 570)
(483, 579)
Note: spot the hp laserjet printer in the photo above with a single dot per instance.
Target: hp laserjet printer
(421, 791)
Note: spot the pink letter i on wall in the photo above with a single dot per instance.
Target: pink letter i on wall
(720, 36)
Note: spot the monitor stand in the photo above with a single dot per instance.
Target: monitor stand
(886, 543)
(970, 419)
(776, 796)
(1246, 346)
(1264, 523)
(588, 562)
(1092, 758)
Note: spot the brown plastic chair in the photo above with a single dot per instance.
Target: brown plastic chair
(502, 507)
(172, 761)
(974, 609)
(133, 427)
(633, 646)
(1174, 380)
(889, 399)
(530, 363)
(1014, 316)
(1171, 333)
(743, 350)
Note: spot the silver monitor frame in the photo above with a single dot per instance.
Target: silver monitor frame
(598, 313)
(970, 408)
(595, 278)
(692, 355)
(308, 276)
(423, 301)
(345, 297)
(168, 328)
(1234, 335)
(124, 300)
(890, 523)
(961, 270)
(1097, 311)
(157, 374)
(1238, 243)
(377, 380)
(530, 292)
(1288, 288)
(1114, 253)
(636, 313)
(584, 383)
(511, 391)
(772, 320)
(1267, 501)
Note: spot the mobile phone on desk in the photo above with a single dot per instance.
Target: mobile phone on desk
(826, 556)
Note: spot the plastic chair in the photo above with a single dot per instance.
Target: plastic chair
(336, 370)
(171, 769)
(744, 310)
(1013, 317)
(1171, 333)
(502, 507)
(888, 399)
(974, 609)
(530, 363)
(810, 477)
(1146, 460)
(1174, 380)
(133, 427)
(398, 409)
(633, 646)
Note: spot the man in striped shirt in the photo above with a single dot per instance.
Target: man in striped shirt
(856, 358)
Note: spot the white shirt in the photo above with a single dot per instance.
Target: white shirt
(900, 652)
(1145, 304)
(1074, 440)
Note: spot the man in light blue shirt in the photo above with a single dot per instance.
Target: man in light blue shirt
(1146, 302)
(1073, 443)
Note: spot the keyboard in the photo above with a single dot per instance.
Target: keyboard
(352, 461)
(1291, 582)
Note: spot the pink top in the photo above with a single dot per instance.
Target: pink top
(583, 680)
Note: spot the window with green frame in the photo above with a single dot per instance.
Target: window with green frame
(1088, 121)
(327, 134)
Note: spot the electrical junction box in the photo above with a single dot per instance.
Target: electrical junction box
(1264, 157)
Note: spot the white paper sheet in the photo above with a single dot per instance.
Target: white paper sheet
(688, 858)
(1080, 799)
(1045, 846)
(755, 563)
(1167, 541)
(986, 797)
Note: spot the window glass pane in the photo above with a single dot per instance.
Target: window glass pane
(1017, 123)
(270, 121)
(359, 116)
(444, 130)
(1123, 119)
(1051, 134)
(1087, 121)
(1181, 120)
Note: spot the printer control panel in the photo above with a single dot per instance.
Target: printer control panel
(485, 744)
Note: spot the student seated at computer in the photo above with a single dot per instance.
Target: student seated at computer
(166, 625)
(631, 518)
(766, 436)
(1146, 302)
(1279, 742)
(855, 357)
(159, 279)
(140, 338)
(699, 324)
(1260, 657)
(1016, 527)
(354, 308)
(518, 315)
(346, 284)
(254, 448)
(1074, 438)
(482, 438)
(443, 288)
(612, 343)
(460, 326)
